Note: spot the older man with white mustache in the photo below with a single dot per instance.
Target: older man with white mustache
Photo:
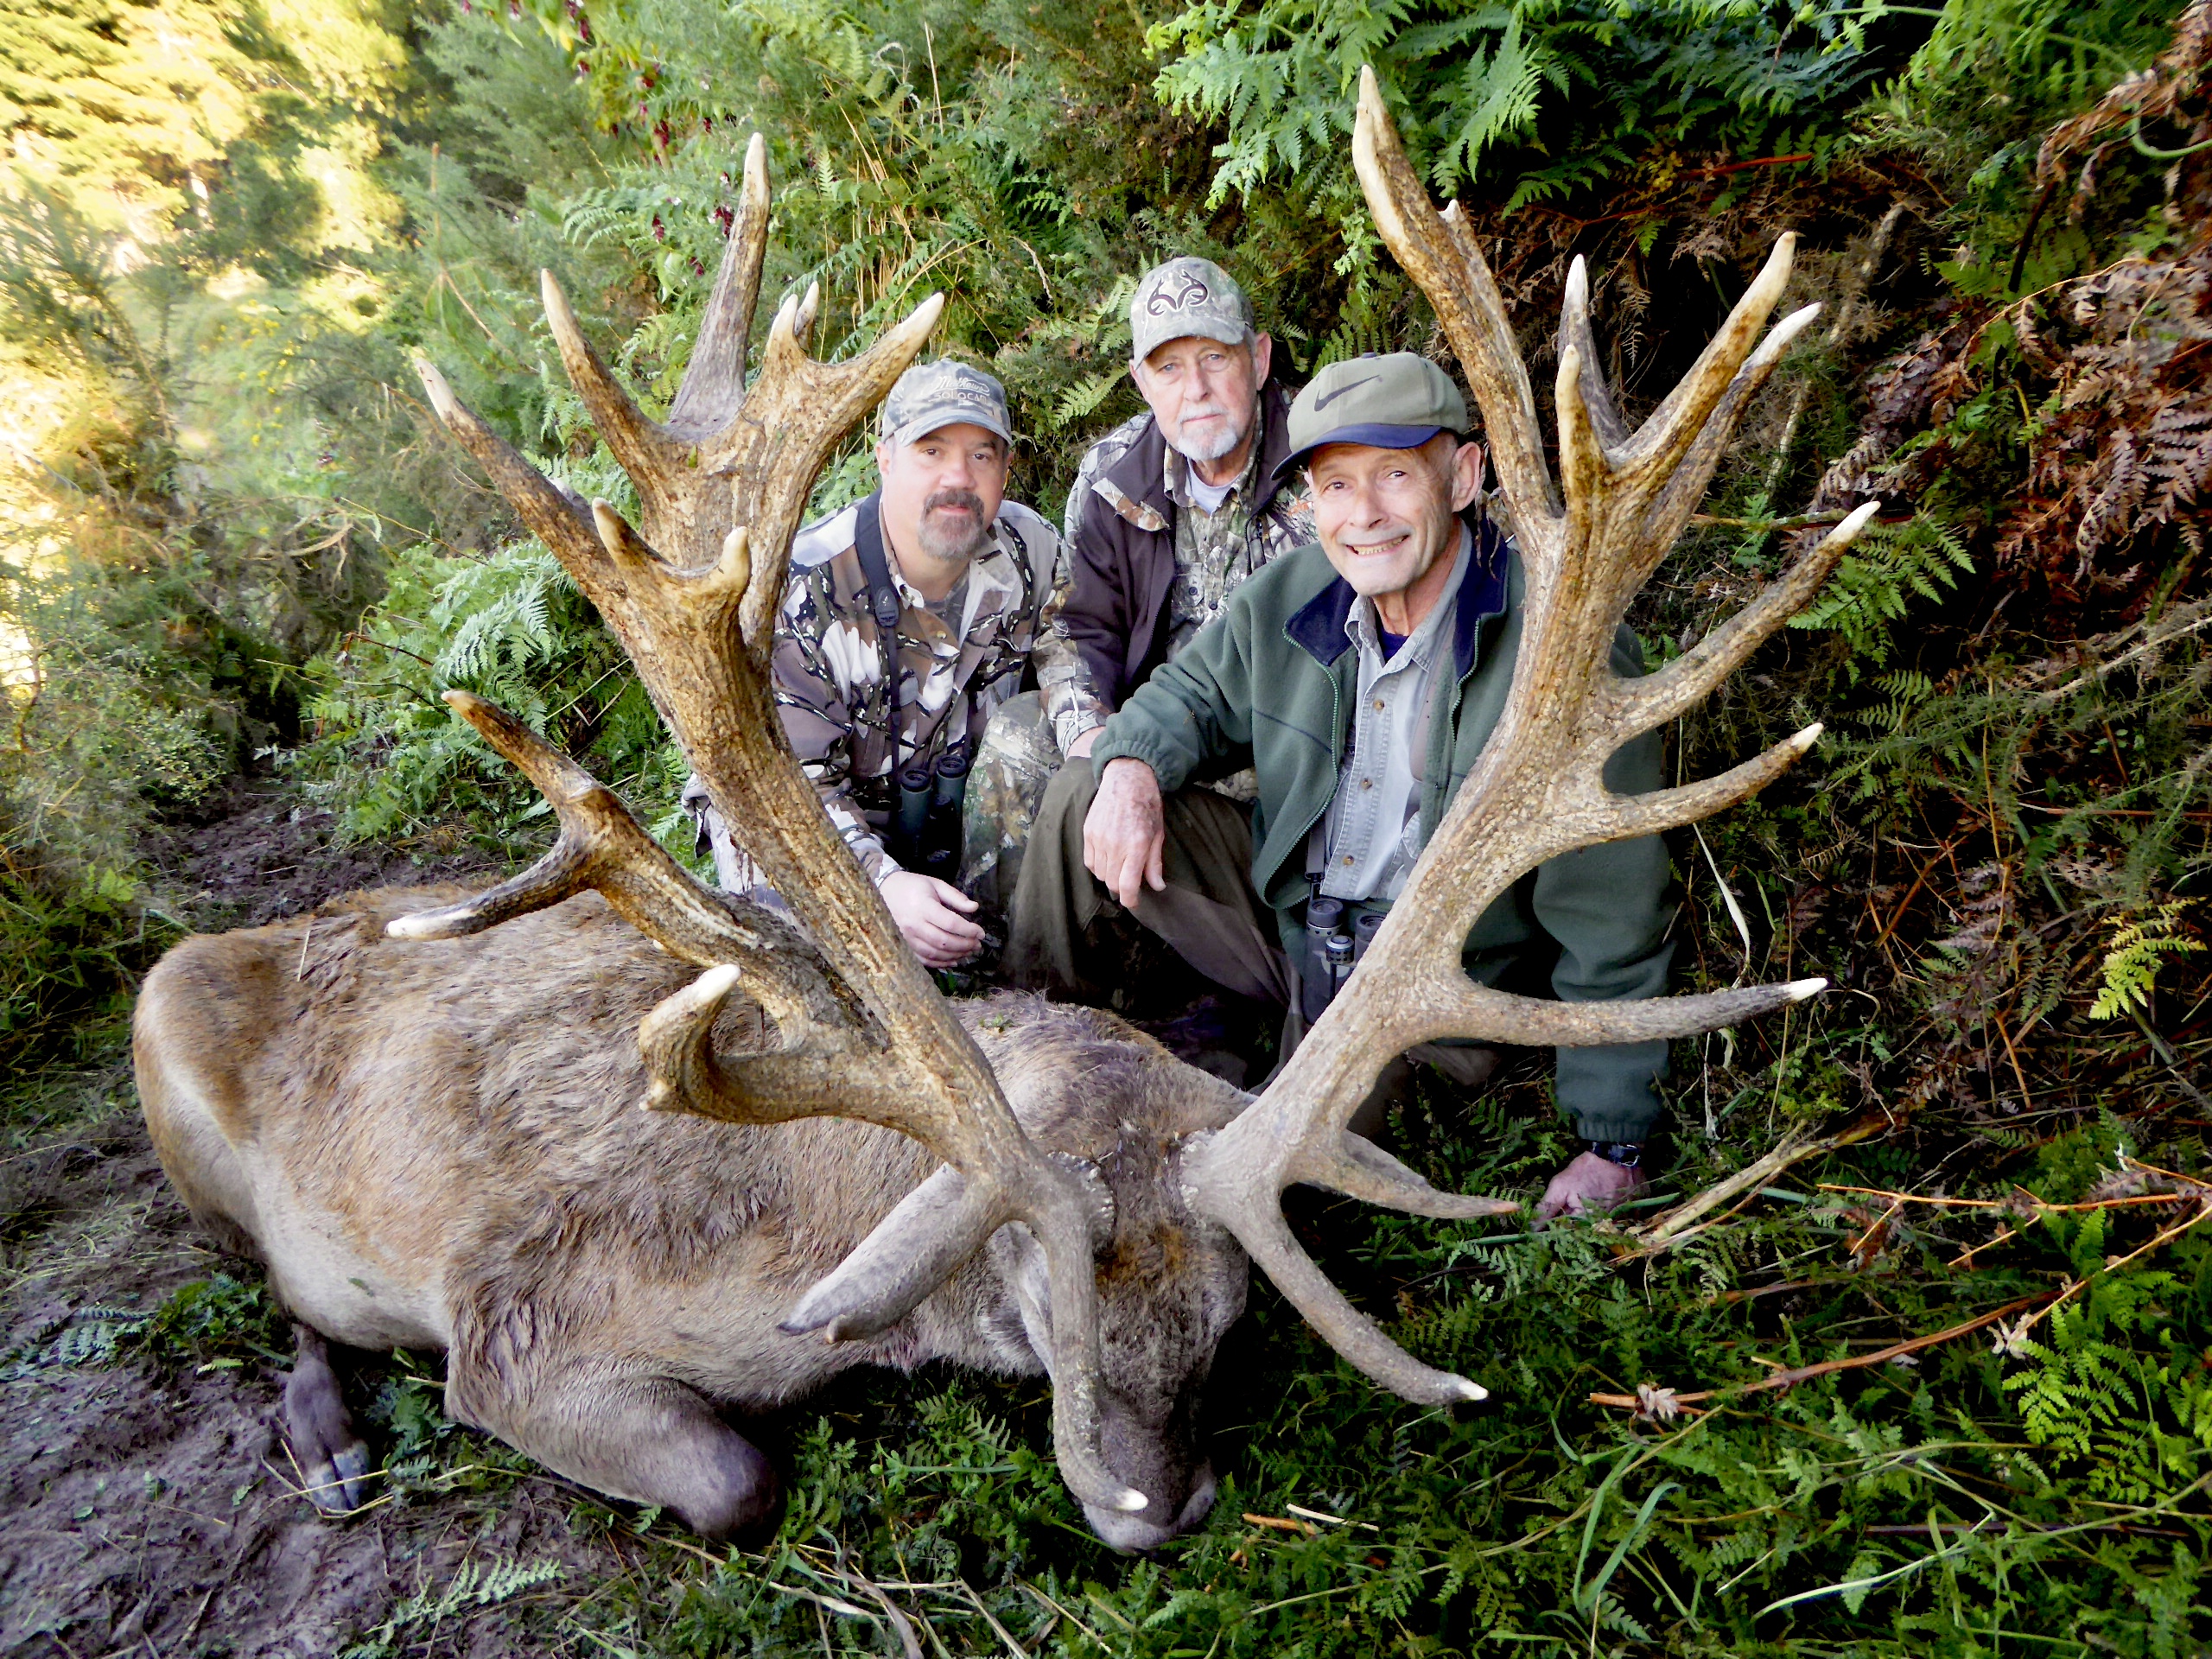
(1169, 513)
(1359, 677)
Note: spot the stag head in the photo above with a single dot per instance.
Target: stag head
(852, 1025)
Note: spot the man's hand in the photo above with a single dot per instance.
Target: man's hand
(1080, 749)
(933, 915)
(1589, 1186)
(1125, 834)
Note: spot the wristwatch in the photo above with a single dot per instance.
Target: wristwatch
(1628, 1154)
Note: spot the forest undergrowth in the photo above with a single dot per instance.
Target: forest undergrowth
(1934, 1375)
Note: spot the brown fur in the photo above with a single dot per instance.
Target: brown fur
(441, 1143)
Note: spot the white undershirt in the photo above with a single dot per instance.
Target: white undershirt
(1206, 498)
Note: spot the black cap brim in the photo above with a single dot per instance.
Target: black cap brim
(1374, 437)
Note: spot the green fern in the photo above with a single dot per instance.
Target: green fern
(1534, 97)
(2129, 971)
(1876, 584)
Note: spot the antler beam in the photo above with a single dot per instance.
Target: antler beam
(1538, 790)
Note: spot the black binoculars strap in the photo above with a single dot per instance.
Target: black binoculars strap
(883, 603)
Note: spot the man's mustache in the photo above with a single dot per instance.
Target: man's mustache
(967, 499)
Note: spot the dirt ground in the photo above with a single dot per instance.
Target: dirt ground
(149, 1508)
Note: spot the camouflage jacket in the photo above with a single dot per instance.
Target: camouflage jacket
(954, 672)
(1145, 568)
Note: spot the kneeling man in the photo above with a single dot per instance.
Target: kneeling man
(907, 620)
(1359, 677)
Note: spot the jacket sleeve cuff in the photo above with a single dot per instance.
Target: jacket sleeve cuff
(1610, 1093)
(1070, 724)
(1119, 741)
(876, 862)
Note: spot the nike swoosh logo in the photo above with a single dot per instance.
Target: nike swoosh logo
(1323, 403)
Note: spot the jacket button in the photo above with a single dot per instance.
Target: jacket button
(1347, 861)
(1367, 783)
(1378, 705)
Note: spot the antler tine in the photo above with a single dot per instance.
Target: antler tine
(1438, 252)
(554, 515)
(714, 380)
(1681, 413)
(1575, 336)
(601, 847)
(1537, 790)
(645, 450)
(795, 414)
(1691, 677)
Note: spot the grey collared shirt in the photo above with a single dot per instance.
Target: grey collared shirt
(1370, 835)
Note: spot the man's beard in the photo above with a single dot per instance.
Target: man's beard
(1222, 437)
(954, 538)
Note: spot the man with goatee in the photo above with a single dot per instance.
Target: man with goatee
(906, 623)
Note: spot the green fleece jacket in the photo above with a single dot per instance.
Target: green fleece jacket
(1271, 682)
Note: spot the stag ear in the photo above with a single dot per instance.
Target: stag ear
(1022, 1266)
(1213, 1104)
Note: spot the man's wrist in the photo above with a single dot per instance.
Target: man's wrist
(1628, 1154)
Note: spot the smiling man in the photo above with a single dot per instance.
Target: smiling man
(1360, 676)
(906, 622)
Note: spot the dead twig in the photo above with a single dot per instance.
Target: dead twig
(2027, 1201)
(1671, 1227)
(1303, 1513)
(1640, 1401)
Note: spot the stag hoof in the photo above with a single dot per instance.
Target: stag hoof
(333, 1461)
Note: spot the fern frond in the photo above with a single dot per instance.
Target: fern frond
(2129, 971)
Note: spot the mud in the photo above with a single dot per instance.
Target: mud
(255, 853)
(148, 1507)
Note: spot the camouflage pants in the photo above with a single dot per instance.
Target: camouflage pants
(1006, 781)
(1012, 767)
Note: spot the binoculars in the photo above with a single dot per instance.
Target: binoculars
(925, 826)
(1337, 936)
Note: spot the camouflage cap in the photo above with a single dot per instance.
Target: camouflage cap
(1398, 402)
(945, 393)
(1187, 297)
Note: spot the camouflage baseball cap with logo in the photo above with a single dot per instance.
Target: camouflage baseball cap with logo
(1398, 401)
(1184, 298)
(945, 393)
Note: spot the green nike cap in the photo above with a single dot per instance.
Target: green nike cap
(1398, 402)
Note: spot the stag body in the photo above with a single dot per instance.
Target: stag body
(438, 1144)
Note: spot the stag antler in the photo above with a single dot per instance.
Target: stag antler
(861, 1030)
(1538, 790)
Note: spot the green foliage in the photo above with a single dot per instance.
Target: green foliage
(1543, 98)
(472, 1587)
(1991, 71)
(2130, 969)
(511, 627)
(216, 1323)
(1875, 587)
